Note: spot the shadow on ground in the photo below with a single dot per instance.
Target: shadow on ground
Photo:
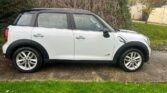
(154, 71)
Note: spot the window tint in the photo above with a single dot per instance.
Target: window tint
(52, 20)
(25, 19)
(87, 22)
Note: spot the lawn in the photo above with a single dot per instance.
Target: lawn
(156, 33)
(80, 87)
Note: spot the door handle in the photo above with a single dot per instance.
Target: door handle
(38, 35)
(80, 37)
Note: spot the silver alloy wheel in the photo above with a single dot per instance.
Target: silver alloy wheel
(26, 60)
(133, 60)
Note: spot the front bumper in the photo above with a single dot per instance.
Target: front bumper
(149, 54)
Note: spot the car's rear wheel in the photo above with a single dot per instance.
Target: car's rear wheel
(131, 60)
(27, 59)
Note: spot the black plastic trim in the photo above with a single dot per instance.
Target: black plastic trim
(137, 45)
(27, 43)
(70, 22)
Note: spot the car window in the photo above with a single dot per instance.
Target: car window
(25, 19)
(87, 22)
(53, 20)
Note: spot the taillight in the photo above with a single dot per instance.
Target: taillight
(6, 34)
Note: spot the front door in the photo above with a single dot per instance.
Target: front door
(90, 44)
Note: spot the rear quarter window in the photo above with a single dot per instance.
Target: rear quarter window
(25, 19)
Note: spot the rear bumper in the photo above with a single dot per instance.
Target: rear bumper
(4, 50)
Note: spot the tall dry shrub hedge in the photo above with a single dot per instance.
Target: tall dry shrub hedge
(115, 12)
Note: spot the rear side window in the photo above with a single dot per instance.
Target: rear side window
(25, 19)
(52, 20)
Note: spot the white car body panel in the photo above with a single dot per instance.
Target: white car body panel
(59, 43)
(17, 33)
(62, 43)
(132, 36)
(94, 47)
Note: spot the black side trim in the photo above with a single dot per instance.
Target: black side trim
(26, 43)
(137, 45)
(70, 21)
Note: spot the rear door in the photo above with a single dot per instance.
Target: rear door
(53, 33)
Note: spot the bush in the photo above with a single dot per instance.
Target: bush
(115, 12)
(9, 9)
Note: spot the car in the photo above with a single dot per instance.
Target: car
(42, 35)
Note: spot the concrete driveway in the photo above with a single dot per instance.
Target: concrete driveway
(154, 71)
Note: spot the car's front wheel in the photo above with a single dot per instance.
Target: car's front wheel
(27, 59)
(132, 60)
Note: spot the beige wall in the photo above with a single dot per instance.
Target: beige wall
(136, 11)
(158, 15)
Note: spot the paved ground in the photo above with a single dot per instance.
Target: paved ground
(154, 71)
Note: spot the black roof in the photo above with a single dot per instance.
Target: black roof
(61, 10)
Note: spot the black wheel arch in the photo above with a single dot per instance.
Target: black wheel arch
(137, 45)
(26, 43)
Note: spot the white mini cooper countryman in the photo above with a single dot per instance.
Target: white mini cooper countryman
(48, 34)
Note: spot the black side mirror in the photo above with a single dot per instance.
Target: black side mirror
(106, 33)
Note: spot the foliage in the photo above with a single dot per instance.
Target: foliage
(115, 12)
(80, 87)
(153, 3)
(10, 8)
(150, 5)
(1, 34)
(156, 33)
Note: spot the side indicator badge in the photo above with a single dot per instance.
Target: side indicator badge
(108, 54)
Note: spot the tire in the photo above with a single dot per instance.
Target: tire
(27, 60)
(131, 63)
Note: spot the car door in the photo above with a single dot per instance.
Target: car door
(90, 43)
(53, 33)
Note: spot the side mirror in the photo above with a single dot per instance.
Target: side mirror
(106, 33)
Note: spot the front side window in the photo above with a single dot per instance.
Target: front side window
(25, 19)
(87, 22)
(53, 20)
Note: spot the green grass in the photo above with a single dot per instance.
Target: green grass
(156, 33)
(80, 87)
